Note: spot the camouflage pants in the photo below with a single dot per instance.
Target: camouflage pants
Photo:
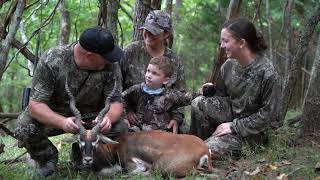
(209, 112)
(33, 135)
(206, 114)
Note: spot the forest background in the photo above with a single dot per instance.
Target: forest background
(290, 27)
(197, 26)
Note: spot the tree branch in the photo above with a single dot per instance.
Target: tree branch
(6, 21)
(2, 2)
(6, 130)
(6, 44)
(9, 115)
(17, 159)
(24, 51)
(126, 12)
(46, 22)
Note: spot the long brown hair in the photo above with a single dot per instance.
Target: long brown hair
(242, 28)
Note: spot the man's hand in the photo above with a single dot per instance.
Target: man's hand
(70, 126)
(132, 117)
(174, 125)
(105, 124)
(222, 129)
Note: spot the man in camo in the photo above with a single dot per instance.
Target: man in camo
(246, 91)
(140, 98)
(157, 29)
(91, 67)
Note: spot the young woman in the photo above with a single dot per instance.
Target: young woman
(245, 100)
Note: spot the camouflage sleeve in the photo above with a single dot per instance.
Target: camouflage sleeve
(43, 81)
(173, 100)
(130, 97)
(125, 63)
(124, 67)
(116, 76)
(260, 121)
(179, 99)
(219, 85)
(175, 115)
(180, 84)
(176, 100)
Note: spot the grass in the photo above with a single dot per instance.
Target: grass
(23, 171)
(278, 160)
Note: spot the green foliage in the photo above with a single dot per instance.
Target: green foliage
(197, 25)
(197, 34)
(12, 84)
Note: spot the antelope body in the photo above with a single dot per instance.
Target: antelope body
(139, 152)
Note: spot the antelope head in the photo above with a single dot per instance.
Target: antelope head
(89, 139)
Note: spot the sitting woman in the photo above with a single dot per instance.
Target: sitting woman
(245, 101)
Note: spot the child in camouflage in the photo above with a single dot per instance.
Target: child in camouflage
(140, 100)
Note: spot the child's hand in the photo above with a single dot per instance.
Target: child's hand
(132, 117)
(174, 126)
(204, 87)
(127, 122)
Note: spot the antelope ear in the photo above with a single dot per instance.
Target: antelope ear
(71, 139)
(106, 140)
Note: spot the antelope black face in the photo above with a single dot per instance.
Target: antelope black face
(88, 143)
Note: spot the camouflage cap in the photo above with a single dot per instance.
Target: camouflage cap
(157, 21)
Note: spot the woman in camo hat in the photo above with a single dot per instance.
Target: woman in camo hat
(156, 30)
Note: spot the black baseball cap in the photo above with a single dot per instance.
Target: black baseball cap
(100, 41)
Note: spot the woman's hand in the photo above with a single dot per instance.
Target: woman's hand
(222, 129)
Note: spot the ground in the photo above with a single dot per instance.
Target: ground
(280, 159)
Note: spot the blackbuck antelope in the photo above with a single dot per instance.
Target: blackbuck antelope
(139, 152)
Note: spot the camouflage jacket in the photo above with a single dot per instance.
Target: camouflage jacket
(136, 100)
(135, 62)
(252, 90)
(90, 88)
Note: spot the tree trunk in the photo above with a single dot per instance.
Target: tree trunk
(102, 15)
(141, 10)
(156, 4)
(233, 9)
(25, 40)
(303, 45)
(296, 97)
(310, 114)
(269, 31)
(288, 35)
(178, 5)
(64, 23)
(169, 11)
(108, 16)
(6, 43)
(112, 18)
(233, 12)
